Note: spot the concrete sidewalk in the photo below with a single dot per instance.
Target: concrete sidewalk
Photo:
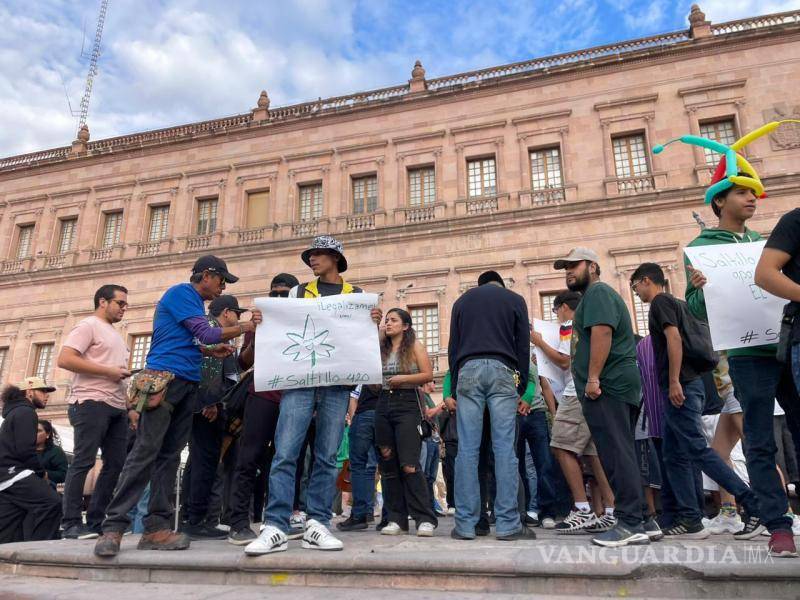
(551, 565)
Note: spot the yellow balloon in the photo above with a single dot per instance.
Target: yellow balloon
(748, 182)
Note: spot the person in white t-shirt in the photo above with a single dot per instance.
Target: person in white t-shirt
(571, 438)
(98, 412)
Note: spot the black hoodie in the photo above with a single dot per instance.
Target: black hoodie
(18, 438)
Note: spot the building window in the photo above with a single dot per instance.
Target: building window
(112, 229)
(630, 156)
(481, 177)
(159, 223)
(546, 301)
(723, 131)
(25, 241)
(206, 216)
(43, 360)
(66, 237)
(546, 169)
(425, 320)
(310, 202)
(3, 357)
(257, 205)
(421, 186)
(140, 346)
(365, 194)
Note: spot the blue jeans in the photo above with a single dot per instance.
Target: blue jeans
(685, 446)
(429, 459)
(363, 462)
(755, 381)
(534, 432)
(297, 408)
(532, 481)
(486, 383)
(137, 513)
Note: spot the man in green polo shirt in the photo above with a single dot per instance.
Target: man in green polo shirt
(608, 385)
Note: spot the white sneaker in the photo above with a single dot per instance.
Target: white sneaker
(424, 530)
(392, 528)
(270, 540)
(317, 537)
(548, 523)
(724, 523)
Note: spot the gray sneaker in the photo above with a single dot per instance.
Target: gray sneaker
(242, 537)
(622, 535)
(652, 530)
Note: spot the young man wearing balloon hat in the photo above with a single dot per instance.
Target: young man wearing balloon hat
(754, 371)
(326, 259)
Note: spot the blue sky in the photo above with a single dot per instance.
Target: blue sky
(167, 62)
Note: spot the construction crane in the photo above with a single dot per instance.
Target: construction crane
(95, 56)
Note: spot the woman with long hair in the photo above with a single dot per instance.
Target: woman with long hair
(51, 455)
(398, 427)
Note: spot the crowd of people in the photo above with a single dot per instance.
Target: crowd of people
(615, 448)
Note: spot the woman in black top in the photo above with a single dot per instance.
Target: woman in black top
(398, 431)
(51, 455)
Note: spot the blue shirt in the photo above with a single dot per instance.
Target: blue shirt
(173, 347)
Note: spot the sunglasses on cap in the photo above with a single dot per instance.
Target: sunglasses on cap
(277, 294)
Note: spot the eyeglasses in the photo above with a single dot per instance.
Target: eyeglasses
(555, 309)
(634, 284)
(277, 294)
(120, 303)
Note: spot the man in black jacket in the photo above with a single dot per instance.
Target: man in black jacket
(489, 356)
(24, 494)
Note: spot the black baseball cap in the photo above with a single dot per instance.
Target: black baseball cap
(489, 277)
(225, 302)
(214, 265)
(285, 279)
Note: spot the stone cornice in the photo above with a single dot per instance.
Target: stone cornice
(486, 267)
(416, 137)
(415, 274)
(158, 178)
(208, 171)
(644, 249)
(478, 127)
(303, 155)
(558, 114)
(600, 106)
(713, 87)
(264, 162)
(357, 147)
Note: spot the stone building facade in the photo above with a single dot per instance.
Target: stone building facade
(427, 184)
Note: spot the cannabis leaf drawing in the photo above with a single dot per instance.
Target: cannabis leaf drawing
(309, 344)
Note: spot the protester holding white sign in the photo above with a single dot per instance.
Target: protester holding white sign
(754, 371)
(312, 339)
(753, 319)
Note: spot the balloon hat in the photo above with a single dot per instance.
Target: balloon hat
(732, 163)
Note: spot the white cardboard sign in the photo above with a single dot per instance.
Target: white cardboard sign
(317, 342)
(551, 334)
(740, 314)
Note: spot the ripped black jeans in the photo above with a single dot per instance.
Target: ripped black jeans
(405, 489)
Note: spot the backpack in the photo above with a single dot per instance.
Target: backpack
(698, 349)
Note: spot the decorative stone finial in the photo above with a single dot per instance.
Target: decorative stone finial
(699, 27)
(417, 82)
(261, 111)
(79, 144)
(696, 15)
(418, 72)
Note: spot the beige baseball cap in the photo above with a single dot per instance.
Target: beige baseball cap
(576, 255)
(35, 383)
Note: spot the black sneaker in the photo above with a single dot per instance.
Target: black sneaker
(242, 537)
(687, 531)
(652, 529)
(523, 534)
(80, 532)
(531, 521)
(457, 536)
(752, 527)
(622, 535)
(603, 523)
(201, 531)
(482, 529)
(353, 524)
(381, 525)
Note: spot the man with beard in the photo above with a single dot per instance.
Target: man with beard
(608, 385)
(26, 497)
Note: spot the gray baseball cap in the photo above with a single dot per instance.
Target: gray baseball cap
(576, 255)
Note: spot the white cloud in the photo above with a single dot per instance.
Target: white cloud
(718, 11)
